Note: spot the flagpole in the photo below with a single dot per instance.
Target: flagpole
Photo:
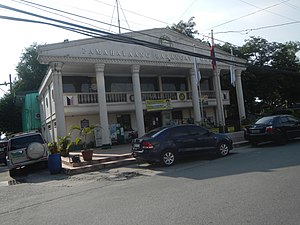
(232, 70)
(198, 77)
(218, 91)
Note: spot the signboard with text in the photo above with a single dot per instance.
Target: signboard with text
(158, 105)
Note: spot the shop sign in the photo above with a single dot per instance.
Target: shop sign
(158, 105)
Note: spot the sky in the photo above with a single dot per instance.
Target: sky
(232, 21)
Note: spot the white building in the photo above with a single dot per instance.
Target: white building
(103, 82)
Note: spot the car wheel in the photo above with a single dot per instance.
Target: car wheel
(223, 149)
(35, 150)
(168, 158)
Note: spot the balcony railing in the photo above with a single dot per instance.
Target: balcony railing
(125, 97)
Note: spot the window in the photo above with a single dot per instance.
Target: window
(149, 84)
(125, 122)
(292, 120)
(78, 84)
(118, 84)
(174, 84)
(178, 132)
(284, 119)
(23, 142)
(193, 130)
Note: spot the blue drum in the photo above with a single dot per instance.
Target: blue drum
(54, 163)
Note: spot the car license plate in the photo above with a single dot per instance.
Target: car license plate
(255, 131)
(136, 146)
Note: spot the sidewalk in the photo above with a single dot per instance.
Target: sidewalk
(117, 156)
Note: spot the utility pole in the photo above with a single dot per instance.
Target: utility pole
(10, 84)
(118, 16)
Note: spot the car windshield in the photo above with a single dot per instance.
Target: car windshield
(265, 120)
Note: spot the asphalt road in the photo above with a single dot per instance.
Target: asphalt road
(251, 186)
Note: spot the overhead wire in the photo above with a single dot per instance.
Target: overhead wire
(138, 14)
(120, 38)
(124, 14)
(138, 32)
(257, 28)
(241, 17)
(277, 14)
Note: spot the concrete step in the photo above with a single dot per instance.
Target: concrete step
(97, 158)
(71, 170)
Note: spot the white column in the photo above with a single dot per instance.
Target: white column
(195, 98)
(58, 98)
(160, 86)
(135, 69)
(239, 94)
(102, 104)
(219, 98)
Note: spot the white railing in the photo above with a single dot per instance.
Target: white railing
(126, 97)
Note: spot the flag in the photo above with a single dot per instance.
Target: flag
(232, 75)
(213, 57)
(197, 73)
(232, 70)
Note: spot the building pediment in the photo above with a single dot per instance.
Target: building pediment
(102, 49)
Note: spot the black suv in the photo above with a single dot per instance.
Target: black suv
(165, 144)
(25, 149)
(278, 128)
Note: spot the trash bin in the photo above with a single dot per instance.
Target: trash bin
(54, 163)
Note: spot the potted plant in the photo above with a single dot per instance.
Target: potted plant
(64, 143)
(87, 154)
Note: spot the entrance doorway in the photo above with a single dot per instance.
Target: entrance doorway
(152, 120)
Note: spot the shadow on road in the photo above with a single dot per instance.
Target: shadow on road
(264, 158)
(36, 173)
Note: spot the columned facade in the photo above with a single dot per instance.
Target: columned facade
(219, 98)
(127, 87)
(195, 98)
(57, 95)
(102, 104)
(239, 94)
(135, 69)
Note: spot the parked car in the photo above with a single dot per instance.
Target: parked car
(277, 128)
(3, 150)
(166, 144)
(26, 149)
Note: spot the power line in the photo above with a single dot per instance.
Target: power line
(249, 14)
(138, 14)
(187, 9)
(258, 28)
(277, 14)
(109, 36)
(61, 11)
(58, 10)
(138, 32)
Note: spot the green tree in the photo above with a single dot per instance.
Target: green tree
(10, 114)
(273, 74)
(186, 28)
(29, 71)
(30, 74)
(285, 56)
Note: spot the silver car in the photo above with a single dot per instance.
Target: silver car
(25, 149)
